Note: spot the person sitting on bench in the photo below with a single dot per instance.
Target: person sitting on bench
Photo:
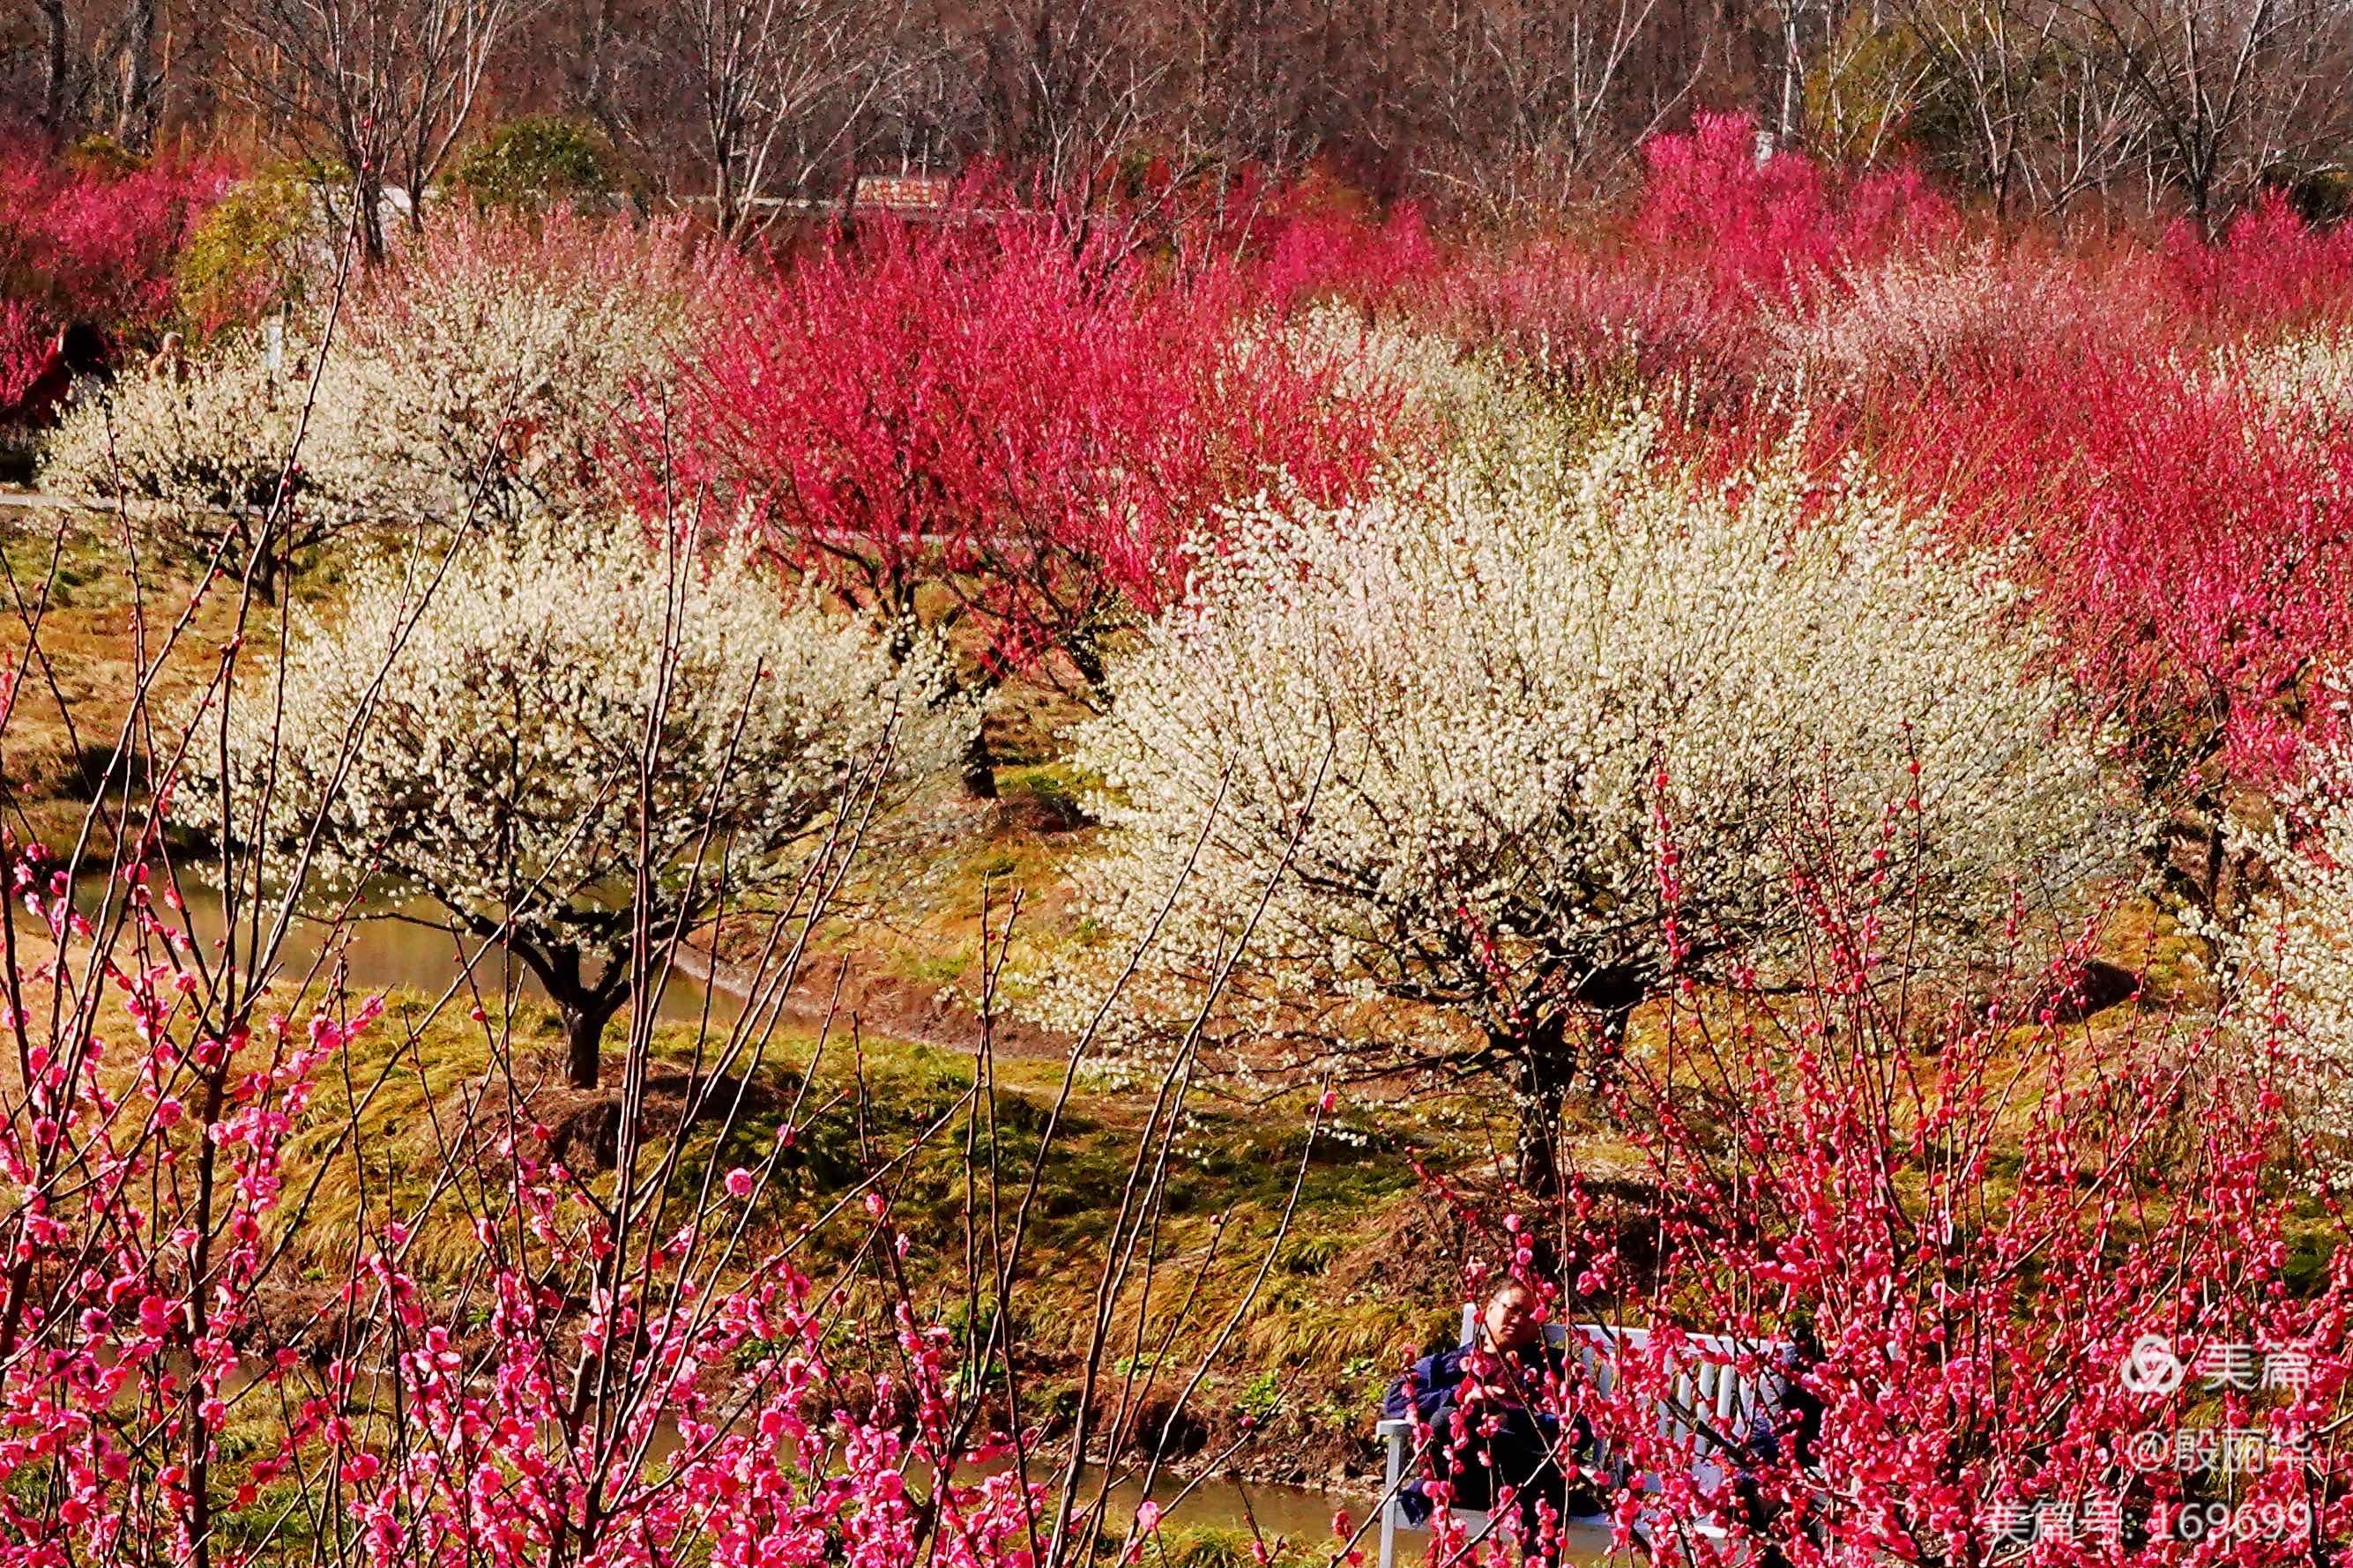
(1783, 1433)
(1492, 1406)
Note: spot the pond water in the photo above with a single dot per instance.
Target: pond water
(383, 948)
(1303, 1514)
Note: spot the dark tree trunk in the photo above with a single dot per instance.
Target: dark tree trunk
(584, 1041)
(1587, 1035)
(1087, 660)
(980, 767)
(582, 1008)
(56, 53)
(134, 116)
(2192, 854)
(367, 190)
(1547, 1069)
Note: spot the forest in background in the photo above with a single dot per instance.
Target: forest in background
(1498, 110)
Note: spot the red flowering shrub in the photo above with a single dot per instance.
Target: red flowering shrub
(24, 337)
(1007, 418)
(1684, 290)
(1709, 203)
(1324, 252)
(2186, 546)
(2270, 268)
(97, 244)
(576, 1395)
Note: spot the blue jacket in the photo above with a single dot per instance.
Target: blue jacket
(1432, 1384)
(1431, 1391)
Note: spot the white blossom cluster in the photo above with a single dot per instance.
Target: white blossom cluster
(2308, 379)
(1431, 376)
(479, 739)
(513, 352)
(1910, 314)
(492, 359)
(1505, 685)
(2287, 966)
(206, 436)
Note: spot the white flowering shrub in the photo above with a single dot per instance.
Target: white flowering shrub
(211, 435)
(501, 355)
(478, 741)
(1430, 377)
(2308, 378)
(484, 374)
(1450, 736)
(196, 450)
(2286, 966)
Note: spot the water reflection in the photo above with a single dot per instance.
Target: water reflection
(382, 950)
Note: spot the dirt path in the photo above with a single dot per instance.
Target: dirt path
(881, 1004)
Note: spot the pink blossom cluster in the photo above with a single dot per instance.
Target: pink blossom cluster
(1969, 1258)
(1008, 413)
(170, 1395)
(92, 244)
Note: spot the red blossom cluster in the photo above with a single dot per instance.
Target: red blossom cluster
(1747, 217)
(1675, 292)
(92, 243)
(1018, 420)
(2189, 546)
(1315, 246)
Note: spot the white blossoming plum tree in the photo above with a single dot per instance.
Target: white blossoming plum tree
(203, 451)
(505, 358)
(485, 373)
(2289, 961)
(1523, 741)
(565, 740)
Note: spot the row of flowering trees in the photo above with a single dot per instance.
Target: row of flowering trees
(1482, 688)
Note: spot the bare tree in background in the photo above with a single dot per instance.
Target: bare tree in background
(780, 90)
(133, 53)
(2227, 90)
(1527, 101)
(1061, 83)
(383, 86)
(1235, 88)
(98, 69)
(1496, 107)
(2024, 109)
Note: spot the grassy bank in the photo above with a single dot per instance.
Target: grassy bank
(1358, 1279)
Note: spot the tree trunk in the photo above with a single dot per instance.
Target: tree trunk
(1547, 1068)
(583, 1009)
(1589, 1033)
(367, 190)
(56, 46)
(584, 1039)
(980, 767)
(595, 96)
(1087, 659)
(134, 115)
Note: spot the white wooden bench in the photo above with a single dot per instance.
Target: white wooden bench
(1710, 1399)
